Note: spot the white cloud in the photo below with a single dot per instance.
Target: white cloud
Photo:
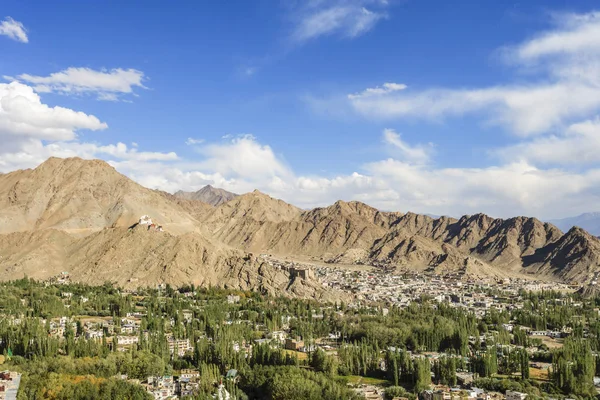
(241, 164)
(31, 131)
(525, 110)
(386, 88)
(579, 144)
(563, 69)
(507, 190)
(516, 188)
(345, 18)
(108, 85)
(575, 34)
(33, 152)
(14, 30)
(23, 115)
(418, 154)
(191, 141)
(242, 157)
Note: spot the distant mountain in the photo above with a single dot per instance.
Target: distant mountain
(588, 221)
(209, 195)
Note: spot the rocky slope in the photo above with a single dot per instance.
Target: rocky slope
(81, 217)
(209, 195)
(139, 256)
(81, 197)
(75, 214)
(574, 257)
(357, 233)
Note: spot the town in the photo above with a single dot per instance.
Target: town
(207, 339)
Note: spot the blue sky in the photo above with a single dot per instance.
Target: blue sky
(425, 106)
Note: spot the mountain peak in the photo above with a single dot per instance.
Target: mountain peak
(578, 232)
(209, 195)
(257, 206)
(54, 161)
(78, 196)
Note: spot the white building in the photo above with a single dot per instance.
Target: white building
(179, 346)
(94, 334)
(510, 395)
(127, 340)
(145, 220)
(231, 299)
(222, 393)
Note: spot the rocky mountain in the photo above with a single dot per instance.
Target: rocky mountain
(81, 197)
(209, 195)
(138, 256)
(81, 216)
(574, 257)
(356, 232)
(588, 221)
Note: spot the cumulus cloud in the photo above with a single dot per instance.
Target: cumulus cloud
(14, 30)
(507, 190)
(515, 188)
(108, 85)
(345, 18)
(242, 157)
(33, 152)
(31, 131)
(242, 163)
(22, 114)
(579, 144)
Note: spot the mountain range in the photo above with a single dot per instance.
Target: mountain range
(589, 221)
(83, 217)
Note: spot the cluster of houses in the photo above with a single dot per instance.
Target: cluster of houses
(367, 285)
(403, 287)
(96, 328)
(63, 278)
(185, 384)
(371, 392)
(469, 394)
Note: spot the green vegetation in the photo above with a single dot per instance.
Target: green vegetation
(400, 349)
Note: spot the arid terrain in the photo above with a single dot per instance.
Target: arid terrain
(82, 217)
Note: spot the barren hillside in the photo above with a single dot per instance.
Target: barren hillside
(80, 197)
(75, 214)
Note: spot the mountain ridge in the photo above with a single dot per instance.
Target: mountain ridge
(81, 210)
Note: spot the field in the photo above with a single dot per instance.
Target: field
(552, 343)
(539, 374)
(301, 356)
(363, 380)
